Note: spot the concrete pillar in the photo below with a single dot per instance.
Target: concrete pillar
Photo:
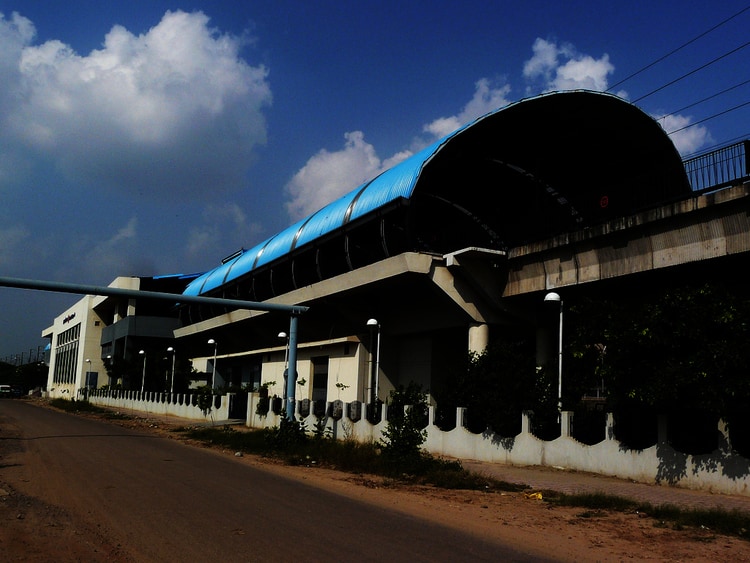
(566, 423)
(460, 414)
(479, 337)
(526, 422)
(610, 432)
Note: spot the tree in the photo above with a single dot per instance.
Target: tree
(499, 384)
(406, 429)
(680, 348)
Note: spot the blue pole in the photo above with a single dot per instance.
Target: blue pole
(291, 379)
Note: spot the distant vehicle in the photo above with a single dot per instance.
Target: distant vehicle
(16, 391)
(6, 391)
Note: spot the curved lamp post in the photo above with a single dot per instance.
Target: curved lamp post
(374, 324)
(143, 378)
(216, 346)
(174, 354)
(552, 296)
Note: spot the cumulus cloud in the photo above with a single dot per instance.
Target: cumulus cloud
(686, 138)
(222, 227)
(11, 241)
(486, 99)
(553, 66)
(561, 67)
(329, 175)
(115, 255)
(174, 110)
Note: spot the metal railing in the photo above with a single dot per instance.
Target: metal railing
(719, 168)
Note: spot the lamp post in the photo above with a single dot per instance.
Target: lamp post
(172, 350)
(552, 296)
(374, 324)
(88, 372)
(285, 336)
(111, 374)
(143, 378)
(216, 347)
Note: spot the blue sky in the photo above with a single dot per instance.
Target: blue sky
(148, 138)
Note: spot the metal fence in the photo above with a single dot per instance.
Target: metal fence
(719, 168)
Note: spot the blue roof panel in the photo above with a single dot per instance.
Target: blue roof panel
(394, 183)
(328, 219)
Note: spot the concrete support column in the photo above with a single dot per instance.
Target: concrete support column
(479, 337)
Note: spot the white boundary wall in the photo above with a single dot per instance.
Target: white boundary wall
(162, 404)
(722, 471)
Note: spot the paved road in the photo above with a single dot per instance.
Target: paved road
(165, 501)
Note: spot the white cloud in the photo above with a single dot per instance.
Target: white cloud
(113, 256)
(12, 240)
(560, 67)
(173, 110)
(486, 99)
(223, 227)
(687, 139)
(330, 175)
(100, 259)
(553, 67)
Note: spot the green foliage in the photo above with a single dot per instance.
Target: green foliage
(730, 522)
(499, 384)
(320, 430)
(288, 434)
(348, 455)
(71, 405)
(405, 431)
(683, 347)
(205, 399)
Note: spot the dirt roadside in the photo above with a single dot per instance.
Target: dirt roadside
(33, 530)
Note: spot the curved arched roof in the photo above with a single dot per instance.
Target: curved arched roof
(559, 160)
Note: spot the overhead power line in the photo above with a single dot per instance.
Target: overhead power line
(693, 40)
(724, 91)
(710, 117)
(692, 72)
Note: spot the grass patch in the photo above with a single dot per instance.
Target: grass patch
(77, 406)
(349, 456)
(729, 522)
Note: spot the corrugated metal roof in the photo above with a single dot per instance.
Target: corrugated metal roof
(394, 183)
(511, 129)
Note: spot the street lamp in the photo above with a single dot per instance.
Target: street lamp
(111, 372)
(374, 324)
(172, 350)
(88, 372)
(552, 296)
(216, 346)
(143, 379)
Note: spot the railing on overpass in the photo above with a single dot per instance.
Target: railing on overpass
(719, 168)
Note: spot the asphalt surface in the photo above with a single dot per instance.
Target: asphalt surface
(567, 481)
(167, 501)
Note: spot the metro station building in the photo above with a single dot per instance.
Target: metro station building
(446, 251)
